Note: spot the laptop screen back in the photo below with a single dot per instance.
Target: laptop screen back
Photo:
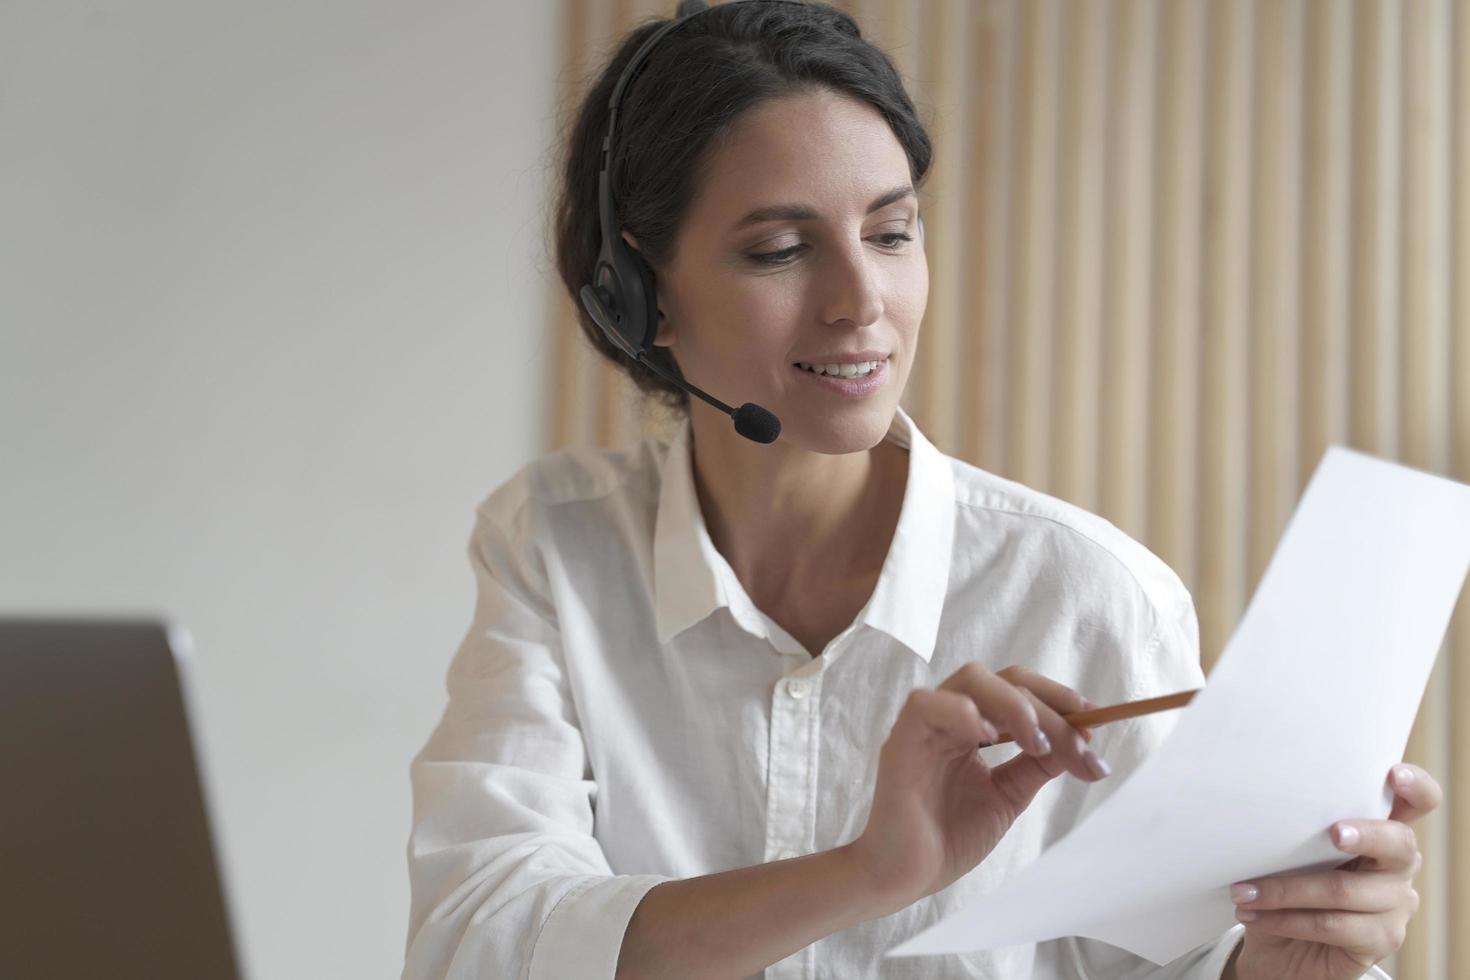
(107, 866)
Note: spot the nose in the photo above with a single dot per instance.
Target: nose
(852, 288)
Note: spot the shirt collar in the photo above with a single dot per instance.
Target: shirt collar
(692, 579)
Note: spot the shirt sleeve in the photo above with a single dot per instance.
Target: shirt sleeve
(1171, 663)
(506, 877)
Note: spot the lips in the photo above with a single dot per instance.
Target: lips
(854, 387)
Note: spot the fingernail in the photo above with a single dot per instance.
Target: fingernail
(1403, 775)
(1096, 765)
(1246, 915)
(1244, 893)
(1043, 744)
(1346, 836)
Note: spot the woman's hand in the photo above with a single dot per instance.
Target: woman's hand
(1335, 925)
(938, 808)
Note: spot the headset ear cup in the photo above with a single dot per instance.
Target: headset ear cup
(641, 322)
(623, 283)
(603, 300)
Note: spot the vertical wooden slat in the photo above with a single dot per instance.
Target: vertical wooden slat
(894, 32)
(866, 13)
(990, 211)
(588, 38)
(1423, 402)
(1174, 365)
(1272, 410)
(978, 200)
(943, 94)
(1423, 330)
(1221, 515)
(1456, 778)
(1374, 307)
(1078, 276)
(1324, 257)
(1129, 223)
(566, 335)
(1030, 319)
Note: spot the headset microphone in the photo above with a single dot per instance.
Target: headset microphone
(751, 421)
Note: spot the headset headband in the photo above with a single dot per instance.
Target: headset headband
(635, 64)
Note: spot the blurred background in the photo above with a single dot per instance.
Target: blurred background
(277, 311)
(272, 321)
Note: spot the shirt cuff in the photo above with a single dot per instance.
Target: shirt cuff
(582, 937)
(1214, 966)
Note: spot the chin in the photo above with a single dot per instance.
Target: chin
(851, 431)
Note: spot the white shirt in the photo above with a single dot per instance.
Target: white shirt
(621, 714)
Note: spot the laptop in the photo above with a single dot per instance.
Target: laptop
(108, 866)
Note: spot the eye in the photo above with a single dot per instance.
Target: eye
(892, 241)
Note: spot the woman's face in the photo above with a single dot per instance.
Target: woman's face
(746, 296)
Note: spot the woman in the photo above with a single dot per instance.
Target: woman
(718, 708)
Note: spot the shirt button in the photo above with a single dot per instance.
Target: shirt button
(797, 687)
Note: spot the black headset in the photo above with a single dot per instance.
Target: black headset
(621, 298)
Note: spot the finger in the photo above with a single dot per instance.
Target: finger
(1366, 936)
(1054, 699)
(1059, 696)
(1086, 734)
(1001, 703)
(1081, 761)
(1388, 842)
(1415, 792)
(941, 722)
(1349, 891)
(1020, 778)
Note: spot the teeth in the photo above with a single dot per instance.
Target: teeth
(840, 370)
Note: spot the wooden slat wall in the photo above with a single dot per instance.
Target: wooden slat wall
(1177, 248)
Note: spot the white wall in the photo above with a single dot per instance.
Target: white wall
(272, 321)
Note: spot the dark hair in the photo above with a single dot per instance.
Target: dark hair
(720, 64)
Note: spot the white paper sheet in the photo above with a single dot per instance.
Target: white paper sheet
(1309, 705)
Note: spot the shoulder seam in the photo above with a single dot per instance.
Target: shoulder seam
(1079, 532)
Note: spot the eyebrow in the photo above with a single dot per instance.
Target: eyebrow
(800, 212)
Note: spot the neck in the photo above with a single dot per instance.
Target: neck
(777, 511)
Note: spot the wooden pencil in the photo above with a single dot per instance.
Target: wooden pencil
(1117, 712)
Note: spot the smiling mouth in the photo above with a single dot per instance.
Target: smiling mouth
(860, 369)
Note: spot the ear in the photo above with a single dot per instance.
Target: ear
(628, 237)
